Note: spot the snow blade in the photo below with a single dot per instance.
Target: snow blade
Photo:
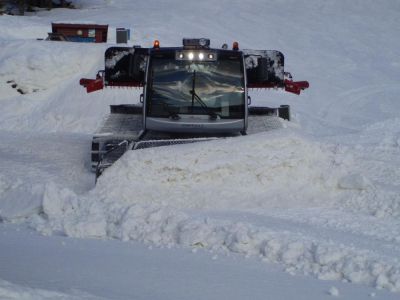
(125, 66)
(282, 112)
(264, 68)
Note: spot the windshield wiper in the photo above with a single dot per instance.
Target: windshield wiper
(172, 113)
(213, 115)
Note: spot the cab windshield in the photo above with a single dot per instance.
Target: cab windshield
(213, 88)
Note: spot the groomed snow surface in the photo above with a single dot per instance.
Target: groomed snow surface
(316, 198)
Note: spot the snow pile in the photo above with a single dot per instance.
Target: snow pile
(240, 173)
(254, 173)
(172, 196)
(36, 83)
(165, 226)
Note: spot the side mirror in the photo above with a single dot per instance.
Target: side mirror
(248, 100)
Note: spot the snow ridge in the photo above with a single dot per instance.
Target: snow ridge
(258, 174)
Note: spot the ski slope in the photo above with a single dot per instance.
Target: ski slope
(311, 206)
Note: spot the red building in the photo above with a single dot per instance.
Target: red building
(86, 33)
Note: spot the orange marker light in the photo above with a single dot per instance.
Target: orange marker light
(156, 44)
(235, 46)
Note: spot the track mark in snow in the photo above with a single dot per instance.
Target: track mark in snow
(12, 291)
(31, 161)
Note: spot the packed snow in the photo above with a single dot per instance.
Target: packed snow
(9, 291)
(317, 196)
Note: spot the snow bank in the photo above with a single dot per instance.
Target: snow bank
(42, 91)
(245, 173)
(22, 28)
(46, 65)
(169, 196)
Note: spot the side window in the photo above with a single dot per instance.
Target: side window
(125, 66)
(264, 68)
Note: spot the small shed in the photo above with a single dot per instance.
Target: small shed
(84, 33)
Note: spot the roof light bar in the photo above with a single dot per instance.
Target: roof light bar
(156, 44)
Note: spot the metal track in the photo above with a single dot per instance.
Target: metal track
(109, 142)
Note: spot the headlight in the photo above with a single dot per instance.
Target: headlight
(193, 55)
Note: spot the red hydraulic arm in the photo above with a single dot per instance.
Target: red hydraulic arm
(93, 85)
(295, 87)
(290, 86)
